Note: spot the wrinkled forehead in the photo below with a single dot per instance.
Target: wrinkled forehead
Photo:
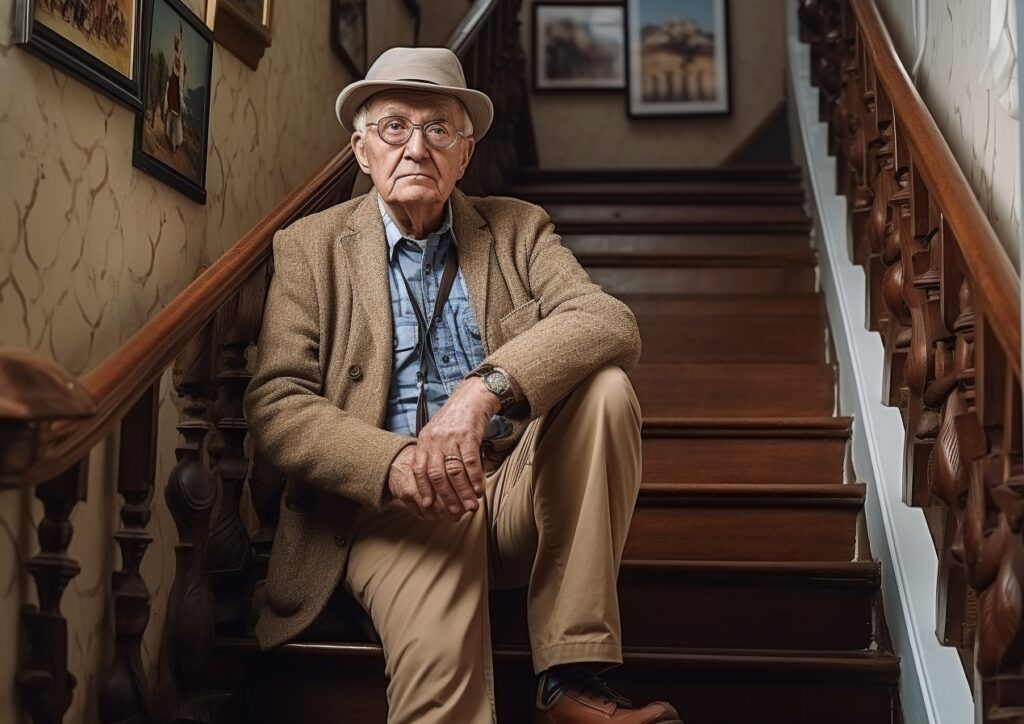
(411, 103)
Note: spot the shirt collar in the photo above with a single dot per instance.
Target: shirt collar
(394, 234)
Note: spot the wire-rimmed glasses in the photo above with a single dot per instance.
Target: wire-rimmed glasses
(396, 131)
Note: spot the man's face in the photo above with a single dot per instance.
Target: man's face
(414, 173)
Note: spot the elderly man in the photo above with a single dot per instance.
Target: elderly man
(442, 385)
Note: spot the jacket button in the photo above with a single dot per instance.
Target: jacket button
(340, 541)
(355, 372)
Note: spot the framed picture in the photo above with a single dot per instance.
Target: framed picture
(678, 57)
(173, 128)
(242, 27)
(348, 34)
(578, 47)
(98, 41)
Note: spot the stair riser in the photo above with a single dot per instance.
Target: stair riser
(726, 280)
(286, 689)
(746, 532)
(758, 339)
(731, 612)
(711, 460)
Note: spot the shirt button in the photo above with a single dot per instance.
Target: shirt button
(339, 540)
(427, 269)
(355, 372)
(446, 359)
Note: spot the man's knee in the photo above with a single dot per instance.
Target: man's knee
(610, 388)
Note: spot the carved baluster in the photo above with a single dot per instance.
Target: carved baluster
(125, 697)
(45, 684)
(190, 494)
(229, 552)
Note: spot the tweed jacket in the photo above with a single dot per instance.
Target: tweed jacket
(322, 373)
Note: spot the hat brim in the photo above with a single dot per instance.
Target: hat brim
(354, 95)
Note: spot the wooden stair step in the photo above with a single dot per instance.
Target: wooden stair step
(777, 278)
(653, 218)
(745, 450)
(735, 390)
(697, 259)
(753, 605)
(808, 307)
(761, 173)
(739, 338)
(745, 522)
(691, 243)
(661, 192)
(300, 682)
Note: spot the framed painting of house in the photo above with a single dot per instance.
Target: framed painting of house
(677, 57)
(172, 130)
(578, 47)
(97, 41)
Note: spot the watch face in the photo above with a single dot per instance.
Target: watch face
(496, 382)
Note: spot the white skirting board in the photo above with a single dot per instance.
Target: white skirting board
(933, 686)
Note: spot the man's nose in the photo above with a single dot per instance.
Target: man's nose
(416, 146)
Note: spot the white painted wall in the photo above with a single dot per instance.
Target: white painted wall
(932, 683)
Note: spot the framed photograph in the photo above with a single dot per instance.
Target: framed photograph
(578, 47)
(242, 27)
(678, 57)
(97, 41)
(348, 34)
(173, 128)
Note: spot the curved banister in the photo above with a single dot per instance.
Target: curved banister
(119, 380)
(996, 282)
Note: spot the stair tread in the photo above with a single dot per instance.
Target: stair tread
(867, 663)
(671, 304)
(641, 214)
(839, 573)
(698, 258)
(691, 426)
(767, 173)
(766, 494)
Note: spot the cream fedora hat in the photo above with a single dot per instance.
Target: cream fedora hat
(436, 70)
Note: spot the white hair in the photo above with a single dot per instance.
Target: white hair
(361, 118)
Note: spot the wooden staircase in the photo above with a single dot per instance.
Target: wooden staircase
(747, 594)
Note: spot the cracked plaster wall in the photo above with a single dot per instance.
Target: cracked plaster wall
(91, 248)
(983, 136)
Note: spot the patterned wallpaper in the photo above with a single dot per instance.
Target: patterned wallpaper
(613, 140)
(91, 248)
(983, 136)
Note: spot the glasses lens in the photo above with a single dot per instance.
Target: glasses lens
(439, 134)
(394, 129)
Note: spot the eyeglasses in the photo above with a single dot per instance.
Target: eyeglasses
(396, 131)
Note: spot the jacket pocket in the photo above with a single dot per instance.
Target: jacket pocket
(520, 319)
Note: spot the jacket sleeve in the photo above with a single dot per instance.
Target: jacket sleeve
(302, 433)
(580, 326)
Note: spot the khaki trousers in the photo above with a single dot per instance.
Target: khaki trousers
(554, 518)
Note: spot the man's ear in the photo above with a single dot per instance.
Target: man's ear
(359, 149)
(467, 154)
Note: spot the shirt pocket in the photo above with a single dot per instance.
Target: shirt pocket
(406, 337)
(520, 319)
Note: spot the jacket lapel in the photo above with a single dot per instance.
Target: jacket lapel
(367, 252)
(474, 241)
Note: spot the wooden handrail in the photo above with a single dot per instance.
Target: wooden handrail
(462, 37)
(996, 282)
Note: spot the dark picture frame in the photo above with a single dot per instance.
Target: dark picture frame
(172, 129)
(243, 27)
(68, 35)
(348, 34)
(579, 47)
(679, 64)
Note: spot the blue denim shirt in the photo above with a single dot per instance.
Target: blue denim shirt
(455, 339)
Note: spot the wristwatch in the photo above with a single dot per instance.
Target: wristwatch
(496, 381)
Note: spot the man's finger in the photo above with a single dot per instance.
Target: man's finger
(442, 486)
(423, 486)
(474, 467)
(460, 481)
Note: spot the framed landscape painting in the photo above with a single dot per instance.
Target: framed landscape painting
(98, 41)
(678, 57)
(172, 131)
(578, 47)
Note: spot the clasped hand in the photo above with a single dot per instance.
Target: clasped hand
(432, 486)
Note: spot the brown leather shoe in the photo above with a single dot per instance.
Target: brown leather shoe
(587, 699)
